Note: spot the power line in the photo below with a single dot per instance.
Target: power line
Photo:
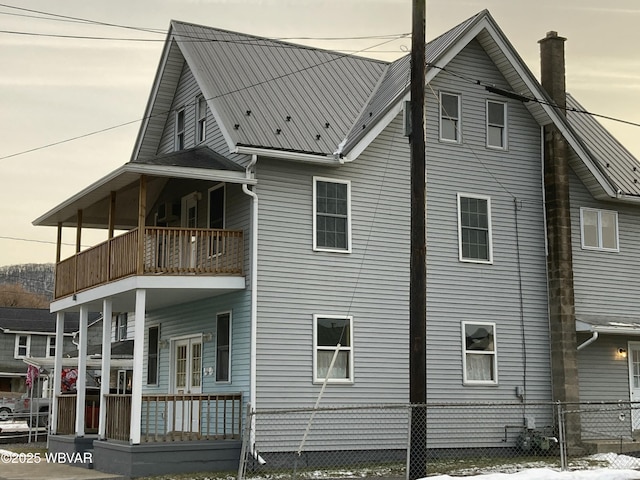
(333, 59)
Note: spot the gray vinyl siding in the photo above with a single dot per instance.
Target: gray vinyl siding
(197, 318)
(185, 97)
(605, 282)
(370, 284)
(604, 377)
(459, 291)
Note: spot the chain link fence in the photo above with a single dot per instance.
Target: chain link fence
(388, 440)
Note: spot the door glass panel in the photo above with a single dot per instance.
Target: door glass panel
(196, 365)
(181, 366)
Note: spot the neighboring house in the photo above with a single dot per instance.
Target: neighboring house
(267, 215)
(26, 333)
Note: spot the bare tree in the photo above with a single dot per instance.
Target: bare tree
(15, 295)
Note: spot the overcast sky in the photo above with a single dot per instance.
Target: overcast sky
(54, 89)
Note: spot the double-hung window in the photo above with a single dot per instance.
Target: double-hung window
(153, 349)
(216, 218)
(496, 124)
(223, 347)
(331, 215)
(599, 229)
(450, 117)
(479, 354)
(22, 346)
(474, 229)
(51, 346)
(121, 327)
(201, 119)
(332, 349)
(179, 130)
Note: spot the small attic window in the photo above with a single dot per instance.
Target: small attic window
(201, 119)
(179, 130)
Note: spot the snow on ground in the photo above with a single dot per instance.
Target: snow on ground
(621, 467)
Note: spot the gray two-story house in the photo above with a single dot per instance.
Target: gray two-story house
(266, 210)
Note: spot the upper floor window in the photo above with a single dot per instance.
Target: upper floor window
(201, 119)
(450, 117)
(599, 229)
(223, 347)
(331, 215)
(328, 332)
(22, 346)
(479, 355)
(496, 124)
(179, 130)
(121, 327)
(51, 346)
(474, 229)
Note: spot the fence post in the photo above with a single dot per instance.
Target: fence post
(242, 465)
(561, 438)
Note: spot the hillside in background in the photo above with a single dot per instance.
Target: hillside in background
(34, 280)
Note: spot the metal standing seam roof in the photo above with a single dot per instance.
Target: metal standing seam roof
(614, 160)
(396, 81)
(277, 95)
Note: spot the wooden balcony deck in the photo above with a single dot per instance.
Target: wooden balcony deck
(163, 250)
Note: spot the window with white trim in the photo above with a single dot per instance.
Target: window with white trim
(223, 347)
(153, 350)
(216, 218)
(450, 117)
(479, 354)
(201, 119)
(599, 229)
(474, 229)
(496, 124)
(332, 343)
(51, 346)
(22, 346)
(179, 130)
(331, 215)
(121, 327)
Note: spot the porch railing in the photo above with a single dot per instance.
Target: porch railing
(170, 418)
(66, 414)
(165, 250)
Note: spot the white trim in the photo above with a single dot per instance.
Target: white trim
(489, 261)
(48, 346)
(17, 346)
(230, 340)
(504, 125)
(494, 352)
(349, 348)
(599, 247)
(441, 116)
(316, 248)
(200, 119)
(179, 134)
(285, 155)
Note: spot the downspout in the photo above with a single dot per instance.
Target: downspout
(589, 341)
(254, 290)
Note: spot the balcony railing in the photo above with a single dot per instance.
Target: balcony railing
(170, 418)
(170, 251)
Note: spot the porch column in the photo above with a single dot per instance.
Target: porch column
(138, 360)
(105, 368)
(81, 382)
(57, 372)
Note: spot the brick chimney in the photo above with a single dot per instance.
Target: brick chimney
(562, 320)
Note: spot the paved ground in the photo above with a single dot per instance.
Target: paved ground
(47, 471)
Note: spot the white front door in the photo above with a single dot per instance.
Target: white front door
(634, 381)
(187, 381)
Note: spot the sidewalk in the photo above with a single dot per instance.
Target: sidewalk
(46, 471)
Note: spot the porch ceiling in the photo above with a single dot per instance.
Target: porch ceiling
(94, 201)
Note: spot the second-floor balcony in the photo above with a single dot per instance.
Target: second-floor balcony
(158, 251)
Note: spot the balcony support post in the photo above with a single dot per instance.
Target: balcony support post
(112, 221)
(107, 310)
(142, 213)
(59, 244)
(78, 245)
(81, 382)
(138, 360)
(57, 372)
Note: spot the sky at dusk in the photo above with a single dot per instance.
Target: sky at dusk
(71, 99)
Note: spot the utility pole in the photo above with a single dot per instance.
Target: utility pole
(418, 264)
